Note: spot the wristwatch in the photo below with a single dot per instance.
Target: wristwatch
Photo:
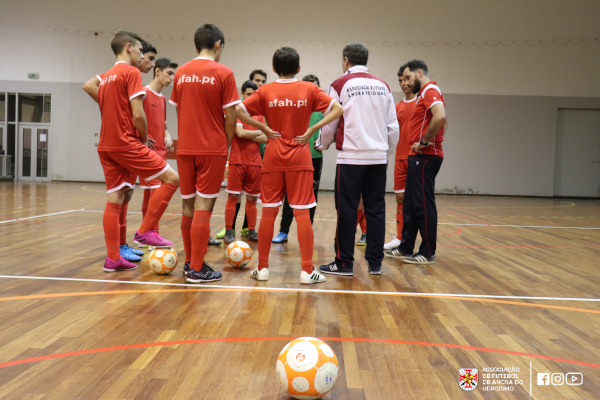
(423, 144)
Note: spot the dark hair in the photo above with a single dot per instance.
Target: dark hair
(357, 53)
(257, 72)
(417, 64)
(207, 36)
(249, 85)
(148, 48)
(402, 68)
(121, 38)
(286, 61)
(312, 78)
(164, 63)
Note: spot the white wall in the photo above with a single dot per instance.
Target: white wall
(501, 99)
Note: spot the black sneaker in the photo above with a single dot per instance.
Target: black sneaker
(252, 235)
(363, 240)
(229, 237)
(214, 242)
(186, 267)
(206, 274)
(374, 270)
(419, 259)
(332, 268)
(396, 253)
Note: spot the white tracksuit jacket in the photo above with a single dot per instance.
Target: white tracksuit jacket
(368, 131)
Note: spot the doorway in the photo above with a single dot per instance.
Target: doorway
(33, 155)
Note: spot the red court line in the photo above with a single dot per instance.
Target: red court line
(258, 339)
(453, 233)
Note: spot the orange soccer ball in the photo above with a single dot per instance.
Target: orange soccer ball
(239, 254)
(307, 368)
(162, 261)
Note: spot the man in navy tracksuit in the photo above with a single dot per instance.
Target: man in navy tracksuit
(364, 136)
(425, 133)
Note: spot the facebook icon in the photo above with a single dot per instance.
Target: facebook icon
(543, 378)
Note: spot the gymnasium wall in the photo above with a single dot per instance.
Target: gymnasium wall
(502, 94)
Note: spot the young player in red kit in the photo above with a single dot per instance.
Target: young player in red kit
(155, 107)
(91, 88)
(287, 166)
(203, 91)
(404, 111)
(124, 152)
(245, 166)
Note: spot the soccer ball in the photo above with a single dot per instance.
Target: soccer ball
(307, 368)
(239, 254)
(162, 261)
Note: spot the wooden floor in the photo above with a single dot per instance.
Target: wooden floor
(80, 333)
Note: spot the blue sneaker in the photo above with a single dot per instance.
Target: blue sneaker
(281, 238)
(127, 253)
(134, 251)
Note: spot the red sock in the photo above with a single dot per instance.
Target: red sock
(399, 221)
(186, 226)
(157, 206)
(306, 238)
(360, 219)
(110, 221)
(199, 235)
(230, 211)
(251, 213)
(147, 195)
(123, 223)
(265, 235)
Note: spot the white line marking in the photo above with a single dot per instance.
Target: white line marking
(298, 290)
(394, 222)
(38, 216)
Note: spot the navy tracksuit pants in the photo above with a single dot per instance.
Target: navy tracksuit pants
(352, 181)
(419, 209)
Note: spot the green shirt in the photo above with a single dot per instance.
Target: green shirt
(315, 118)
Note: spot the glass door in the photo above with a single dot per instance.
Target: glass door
(34, 154)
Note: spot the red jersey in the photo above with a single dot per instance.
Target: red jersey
(155, 107)
(404, 111)
(202, 89)
(287, 104)
(118, 86)
(429, 95)
(245, 151)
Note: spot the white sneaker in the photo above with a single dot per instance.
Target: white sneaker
(262, 275)
(392, 245)
(315, 277)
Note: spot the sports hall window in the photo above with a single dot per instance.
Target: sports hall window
(34, 108)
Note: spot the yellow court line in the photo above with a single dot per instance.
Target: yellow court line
(142, 291)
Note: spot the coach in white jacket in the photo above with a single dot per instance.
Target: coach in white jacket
(363, 136)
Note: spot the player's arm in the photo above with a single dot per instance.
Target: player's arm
(336, 112)
(139, 118)
(392, 126)
(168, 139)
(256, 136)
(91, 88)
(230, 123)
(245, 118)
(438, 120)
(328, 132)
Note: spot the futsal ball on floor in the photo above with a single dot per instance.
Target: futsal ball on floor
(239, 254)
(307, 368)
(162, 261)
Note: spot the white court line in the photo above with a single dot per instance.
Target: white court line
(298, 290)
(38, 216)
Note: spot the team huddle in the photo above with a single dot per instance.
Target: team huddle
(270, 141)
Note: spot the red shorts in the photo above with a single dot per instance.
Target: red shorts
(244, 178)
(152, 184)
(297, 184)
(400, 176)
(122, 167)
(200, 175)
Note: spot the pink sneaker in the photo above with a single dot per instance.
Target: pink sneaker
(151, 238)
(120, 265)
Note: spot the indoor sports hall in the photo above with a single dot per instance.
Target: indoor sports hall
(508, 309)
